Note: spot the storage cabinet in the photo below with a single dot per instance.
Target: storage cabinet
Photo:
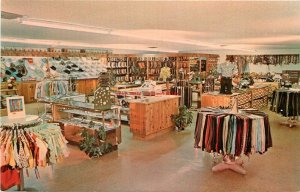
(27, 89)
(86, 86)
(80, 86)
(90, 86)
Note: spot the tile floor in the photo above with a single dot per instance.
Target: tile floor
(170, 163)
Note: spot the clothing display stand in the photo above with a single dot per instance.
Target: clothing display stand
(229, 161)
(52, 87)
(28, 121)
(31, 131)
(209, 85)
(287, 103)
(183, 88)
(232, 134)
(291, 122)
(72, 85)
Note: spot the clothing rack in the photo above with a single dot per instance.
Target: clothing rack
(51, 87)
(28, 143)
(183, 88)
(232, 135)
(209, 85)
(287, 103)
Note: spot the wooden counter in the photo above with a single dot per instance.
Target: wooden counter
(152, 115)
(252, 98)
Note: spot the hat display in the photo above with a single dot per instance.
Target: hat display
(37, 67)
(7, 72)
(67, 71)
(53, 68)
(12, 67)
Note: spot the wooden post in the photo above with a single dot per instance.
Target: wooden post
(168, 88)
(21, 185)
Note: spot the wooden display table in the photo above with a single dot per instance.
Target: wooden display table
(152, 115)
(216, 100)
(251, 98)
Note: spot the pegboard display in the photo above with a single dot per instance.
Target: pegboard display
(80, 67)
(23, 68)
(102, 99)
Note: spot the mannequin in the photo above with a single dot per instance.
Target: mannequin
(226, 71)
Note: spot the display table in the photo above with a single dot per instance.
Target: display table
(152, 115)
(28, 119)
(73, 116)
(251, 98)
(232, 135)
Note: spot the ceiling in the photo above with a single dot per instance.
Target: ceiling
(247, 27)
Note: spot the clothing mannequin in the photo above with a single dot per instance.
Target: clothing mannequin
(226, 71)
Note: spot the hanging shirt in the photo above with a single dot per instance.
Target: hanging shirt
(227, 69)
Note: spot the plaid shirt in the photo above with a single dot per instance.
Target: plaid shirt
(227, 69)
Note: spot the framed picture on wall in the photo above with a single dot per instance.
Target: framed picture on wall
(15, 107)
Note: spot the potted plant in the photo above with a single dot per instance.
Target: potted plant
(183, 119)
(94, 145)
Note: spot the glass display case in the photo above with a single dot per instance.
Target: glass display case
(73, 116)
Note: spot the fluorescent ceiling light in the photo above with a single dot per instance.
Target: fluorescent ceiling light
(65, 26)
(123, 33)
(271, 40)
(57, 43)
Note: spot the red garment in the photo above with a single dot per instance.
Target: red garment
(9, 177)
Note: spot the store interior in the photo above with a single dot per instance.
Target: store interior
(150, 95)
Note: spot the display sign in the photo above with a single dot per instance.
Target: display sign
(15, 107)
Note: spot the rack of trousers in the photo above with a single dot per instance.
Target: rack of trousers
(286, 102)
(228, 134)
(29, 146)
(183, 89)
